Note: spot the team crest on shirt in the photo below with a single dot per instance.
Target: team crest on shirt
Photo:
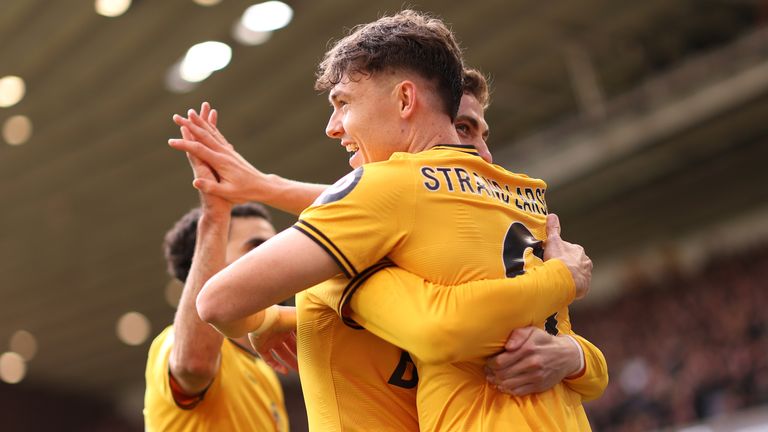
(341, 188)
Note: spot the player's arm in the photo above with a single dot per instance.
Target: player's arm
(446, 324)
(591, 381)
(239, 181)
(535, 361)
(195, 355)
(234, 299)
(275, 339)
(439, 324)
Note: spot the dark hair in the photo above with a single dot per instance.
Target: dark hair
(179, 243)
(476, 84)
(408, 40)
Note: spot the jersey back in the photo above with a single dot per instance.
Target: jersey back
(449, 217)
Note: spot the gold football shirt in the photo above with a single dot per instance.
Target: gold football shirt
(449, 217)
(245, 395)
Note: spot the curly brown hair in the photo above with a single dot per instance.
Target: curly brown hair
(476, 84)
(409, 40)
(179, 242)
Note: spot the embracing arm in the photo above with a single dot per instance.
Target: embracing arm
(449, 323)
(593, 379)
(437, 323)
(534, 361)
(234, 299)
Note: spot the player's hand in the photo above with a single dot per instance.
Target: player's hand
(572, 255)
(276, 345)
(238, 180)
(210, 204)
(533, 361)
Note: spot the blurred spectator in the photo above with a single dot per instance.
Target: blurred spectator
(686, 349)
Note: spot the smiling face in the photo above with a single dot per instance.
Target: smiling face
(471, 125)
(365, 118)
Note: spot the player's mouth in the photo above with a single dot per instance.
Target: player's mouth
(352, 148)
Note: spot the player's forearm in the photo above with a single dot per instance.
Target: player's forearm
(233, 299)
(288, 195)
(593, 379)
(440, 324)
(196, 348)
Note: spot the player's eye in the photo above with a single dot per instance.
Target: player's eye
(462, 128)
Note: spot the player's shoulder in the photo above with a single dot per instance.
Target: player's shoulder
(515, 177)
(160, 350)
(163, 340)
(366, 180)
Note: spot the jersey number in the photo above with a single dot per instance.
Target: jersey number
(518, 239)
(405, 367)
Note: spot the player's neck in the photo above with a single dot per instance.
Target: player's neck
(432, 132)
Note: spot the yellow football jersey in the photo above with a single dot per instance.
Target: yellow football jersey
(449, 217)
(429, 320)
(351, 379)
(245, 395)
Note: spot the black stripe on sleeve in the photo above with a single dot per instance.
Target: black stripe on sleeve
(335, 248)
(352, 287)
(328, 251)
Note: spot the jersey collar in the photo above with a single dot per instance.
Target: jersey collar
(464, 148)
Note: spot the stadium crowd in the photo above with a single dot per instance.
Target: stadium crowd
(686, 349)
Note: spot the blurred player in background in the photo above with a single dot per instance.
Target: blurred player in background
(197, 380)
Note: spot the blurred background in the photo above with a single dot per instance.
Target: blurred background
(648, 119)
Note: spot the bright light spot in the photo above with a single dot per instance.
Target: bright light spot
(246, 36)
(12, 90)
(133, 328)
(24, 343)
(17, 130)
(267, 16)
(173, 292)
(207, 2)
(203, 59)
(175, 83)
(12, 367)
(112, 8)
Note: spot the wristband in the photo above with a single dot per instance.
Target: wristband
(580, 370)
(271, 314)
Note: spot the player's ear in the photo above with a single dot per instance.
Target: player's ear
(406, 98)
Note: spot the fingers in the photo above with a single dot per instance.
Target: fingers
(505, 360)
(196, 149)
(288, 356)
(213, 118)
(208, 186)
(553, 226)
(197, 128)
(200, 169)
(274, 362)
(518, 337)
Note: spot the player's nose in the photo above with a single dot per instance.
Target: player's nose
(334, 128)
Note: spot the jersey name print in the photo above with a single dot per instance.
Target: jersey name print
(458, 179)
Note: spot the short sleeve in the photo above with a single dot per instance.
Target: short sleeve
(363, 216)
